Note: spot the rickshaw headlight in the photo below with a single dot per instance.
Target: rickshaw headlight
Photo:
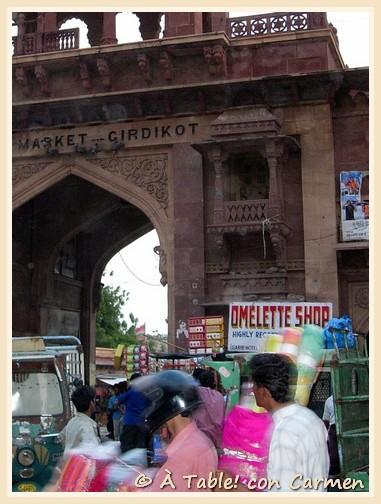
(25, 457)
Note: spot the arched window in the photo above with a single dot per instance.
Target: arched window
(83, 30)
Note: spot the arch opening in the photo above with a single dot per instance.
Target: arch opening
(63, 239)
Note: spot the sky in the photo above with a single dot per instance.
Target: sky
(136, 267)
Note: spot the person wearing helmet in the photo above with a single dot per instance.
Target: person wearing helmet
(173, 397)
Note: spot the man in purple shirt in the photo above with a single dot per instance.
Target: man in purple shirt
(209, 417)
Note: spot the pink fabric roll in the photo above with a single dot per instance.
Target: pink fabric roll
(245, 444)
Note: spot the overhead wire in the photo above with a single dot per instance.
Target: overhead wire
(136, 276)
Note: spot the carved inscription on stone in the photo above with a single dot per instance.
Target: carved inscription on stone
(147, 172)
(25, 171)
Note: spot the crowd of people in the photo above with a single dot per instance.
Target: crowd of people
(185, 419)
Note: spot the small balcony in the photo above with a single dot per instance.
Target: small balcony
(247, 211)
(32, 43)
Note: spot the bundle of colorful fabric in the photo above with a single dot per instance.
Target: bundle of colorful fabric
(339, 331)
(304, 346)
(101, 470)
(245, 444)
(308, 361)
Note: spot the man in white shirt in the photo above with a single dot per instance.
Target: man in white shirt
(330, 422)
(81, 429)
(298, 448)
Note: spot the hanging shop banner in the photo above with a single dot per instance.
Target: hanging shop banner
(251, 323)
(354, 203)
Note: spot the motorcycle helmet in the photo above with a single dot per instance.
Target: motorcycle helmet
(170, 393)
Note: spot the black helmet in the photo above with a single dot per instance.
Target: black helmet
(170, 393)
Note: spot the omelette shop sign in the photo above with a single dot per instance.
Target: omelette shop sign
(250, 323)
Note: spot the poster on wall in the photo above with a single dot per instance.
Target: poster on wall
(251, 323)
(354, 205)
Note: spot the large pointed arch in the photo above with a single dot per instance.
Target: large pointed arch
(140, 178)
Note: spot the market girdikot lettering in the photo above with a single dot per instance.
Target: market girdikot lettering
(120, 135)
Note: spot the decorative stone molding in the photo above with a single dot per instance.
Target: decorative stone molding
(253, 121)
(258, 283)
(362, 297)
(147, 172)
(254, 267)
(216, 268)
(25, 171)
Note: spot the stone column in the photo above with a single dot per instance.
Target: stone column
(274, 188)
(186, 257)
(20, 21)
(178, 24)
(149, 24)
(109, 29)
(218, 21)
(40, 31)
(50, 22)
(314, 125)
(218, 158)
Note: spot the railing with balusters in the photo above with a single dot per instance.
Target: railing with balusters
(274, 23)
(246, 211)
(33, 43)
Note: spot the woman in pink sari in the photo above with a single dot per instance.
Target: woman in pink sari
(245, 443)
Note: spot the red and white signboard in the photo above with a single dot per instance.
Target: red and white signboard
(250, 323)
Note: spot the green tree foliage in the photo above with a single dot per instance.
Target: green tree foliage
(111, 328)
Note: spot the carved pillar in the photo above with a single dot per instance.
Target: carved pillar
(274, 186)
(109, 29)
(218, 158)
(149, 24)
(20, 21)
(50, 22)
(178, 24)
(276, 232)
(217, 21)
(40, 31)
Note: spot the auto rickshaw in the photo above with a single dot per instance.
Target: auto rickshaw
(44, 371)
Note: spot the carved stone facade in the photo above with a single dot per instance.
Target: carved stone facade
(229, 144)
(22, 172)
(148, 172)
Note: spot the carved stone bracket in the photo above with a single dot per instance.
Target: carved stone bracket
(166, 65)
(22, 78)
(84, 75)
(147, 172)
(279, 244)
(215, 58)
(162, 264)
(145, 67)
(23, 172)
(42, 77)
(104, 72)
